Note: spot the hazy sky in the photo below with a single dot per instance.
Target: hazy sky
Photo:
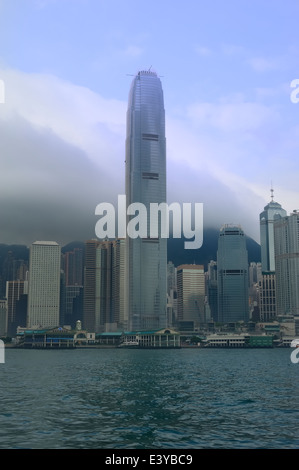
(231, 127)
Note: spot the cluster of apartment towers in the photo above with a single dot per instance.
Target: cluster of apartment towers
(126, 284)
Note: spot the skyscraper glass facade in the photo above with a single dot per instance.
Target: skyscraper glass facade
(146, 258)
(271, 212)
(232, 275)
(286, 237)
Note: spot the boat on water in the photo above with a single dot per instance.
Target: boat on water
(295, 343)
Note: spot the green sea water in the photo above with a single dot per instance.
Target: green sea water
(149, 399)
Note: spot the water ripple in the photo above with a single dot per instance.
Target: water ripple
(128, 399)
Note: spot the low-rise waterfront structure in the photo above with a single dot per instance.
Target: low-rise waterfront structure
(53, 338)
(239, 341)
(162, 338)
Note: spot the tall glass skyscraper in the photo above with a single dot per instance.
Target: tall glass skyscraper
(267, 285)
(271, 212)
(146, 258)
(286, 237)
(232, 275)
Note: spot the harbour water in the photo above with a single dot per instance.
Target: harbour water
(149, 399)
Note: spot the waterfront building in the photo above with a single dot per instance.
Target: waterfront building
(239, 341)
(267, 296)
(171, 294)
(104, 286)
(156, 339)
(146, 257)
(191, 296)
(211, 289)
(54, 338)
(286, 238)
(44, 285)
(232, 275)
(3, 318)
(14, 293)
(104, 314)
(118, 284)
(89, 299)
(73, 305)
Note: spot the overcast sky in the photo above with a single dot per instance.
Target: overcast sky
(231, 127)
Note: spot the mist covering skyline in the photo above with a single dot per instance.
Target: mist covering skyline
(231, 128)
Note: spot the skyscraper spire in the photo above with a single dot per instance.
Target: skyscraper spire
(272, 192)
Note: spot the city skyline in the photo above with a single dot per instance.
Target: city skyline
(231, 125)
(84, 368)
(245, 292)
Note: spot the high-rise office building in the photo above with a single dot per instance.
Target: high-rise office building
(90, 286)
(286, 237)
(255, 276)
(271, 212)
(232, 275)
(73, 307)
(267, 297)
(73, 267)
(146, 262)
(3, 318)
(12, 269)
(211, 289)
(171, 294)
(104, 314)
(191, 296)
(44, 285)
(14, 293)
(118, 284)
(104, 287)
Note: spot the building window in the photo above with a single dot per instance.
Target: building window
(154, 137)
(150, 176)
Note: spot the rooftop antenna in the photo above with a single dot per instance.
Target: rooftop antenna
(134, 75)
(272, 191)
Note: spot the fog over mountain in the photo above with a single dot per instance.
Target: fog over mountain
(176, 252)
(63, 151)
